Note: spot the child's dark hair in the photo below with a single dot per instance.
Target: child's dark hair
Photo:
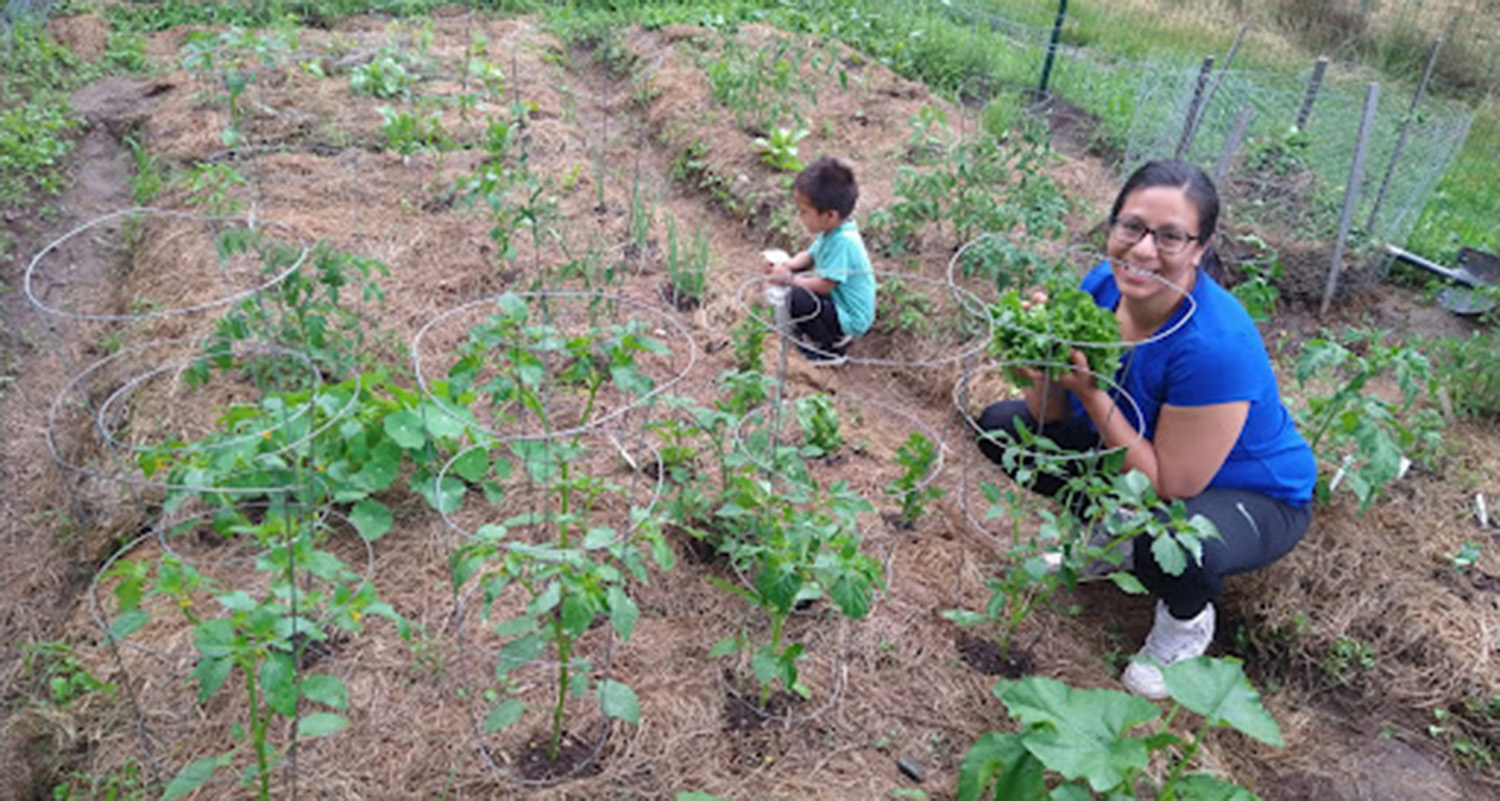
(829, 184)
(1198, 188)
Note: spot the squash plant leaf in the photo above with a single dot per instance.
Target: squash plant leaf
(1002, 760)
(1201, 787)
(1218, 690)
(371, 518)
(1079, 732)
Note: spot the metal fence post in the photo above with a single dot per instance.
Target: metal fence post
(1351, 194)
(1313, 83)
(1192, 112)
(1411, 113)
(1232, 142)
(1062, 12)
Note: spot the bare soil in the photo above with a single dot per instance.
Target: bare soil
(910, 685)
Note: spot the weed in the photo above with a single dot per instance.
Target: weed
(149, 176)
(687, 269)
(66, 678)
(210, 187)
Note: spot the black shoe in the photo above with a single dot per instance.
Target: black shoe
(817, 357)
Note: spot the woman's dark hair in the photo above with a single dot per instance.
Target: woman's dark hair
(1199, 189)
(829, 185)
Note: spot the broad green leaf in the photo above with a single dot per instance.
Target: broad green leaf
(725, 647)
(1079, 733)
(371, 518)
(1127, 582)
(509, 711)
(321, 724)
(440, 424)
(999, 759)
(545, 601)
(1200, 787)
(405, 429)
(1077, 792)
(472, 464)
(237, 601)
(127, 624)
(518, 653)
(516, 626)
(278, 682)
(1218, 690)
(622, 612)
(326, 690)
(618, 701)
(852, 594)
(1169, 555)
(578, 611)
(195, 775)
(214, 638)
(211, 673)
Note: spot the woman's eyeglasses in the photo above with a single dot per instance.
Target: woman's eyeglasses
(1130, 230)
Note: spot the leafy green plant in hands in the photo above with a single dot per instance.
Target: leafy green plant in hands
(917, 458)
(1078, 743)
(1047, 332)
(778, 150)
(261, 637)
(1365, 434)
(796, 543)
(819, 419)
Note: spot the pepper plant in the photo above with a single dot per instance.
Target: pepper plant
(262, 638)
(917, 457)
(820, 425)
(1083, 737)
(1366, 434)
(796, 544)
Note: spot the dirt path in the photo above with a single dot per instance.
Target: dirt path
(49, 552)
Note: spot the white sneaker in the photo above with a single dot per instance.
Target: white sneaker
(1170, 640)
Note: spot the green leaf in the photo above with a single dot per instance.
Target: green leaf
(326, 690)
(516, 626)
(507, 712)
(518, 653)
(371, 518)
(127, 624)
(321, 724)
(195, 775)
(725, 647)
(1002, 760)
(1128, 583)
(1200, 787)
(1079, 732)
(618, 701)
(440, 424)
(1218, 690)
(405, 429)
(851, 592)
(237, 601)
(214, 638)
(278, 682)
(472, 464)
(211, 674)
(544, 602)
(1169, 555)
(622, 612)
(578, 612)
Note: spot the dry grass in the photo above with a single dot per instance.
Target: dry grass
(907, 691)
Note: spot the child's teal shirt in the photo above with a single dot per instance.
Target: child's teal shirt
(839, 255)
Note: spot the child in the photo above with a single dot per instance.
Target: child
(831, 288)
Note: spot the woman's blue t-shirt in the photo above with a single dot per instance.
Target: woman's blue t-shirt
(1215, 356)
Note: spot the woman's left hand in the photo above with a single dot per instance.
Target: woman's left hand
(1080, 380)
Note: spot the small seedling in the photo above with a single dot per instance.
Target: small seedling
(779, 150)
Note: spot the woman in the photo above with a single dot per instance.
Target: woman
(1216, 434)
